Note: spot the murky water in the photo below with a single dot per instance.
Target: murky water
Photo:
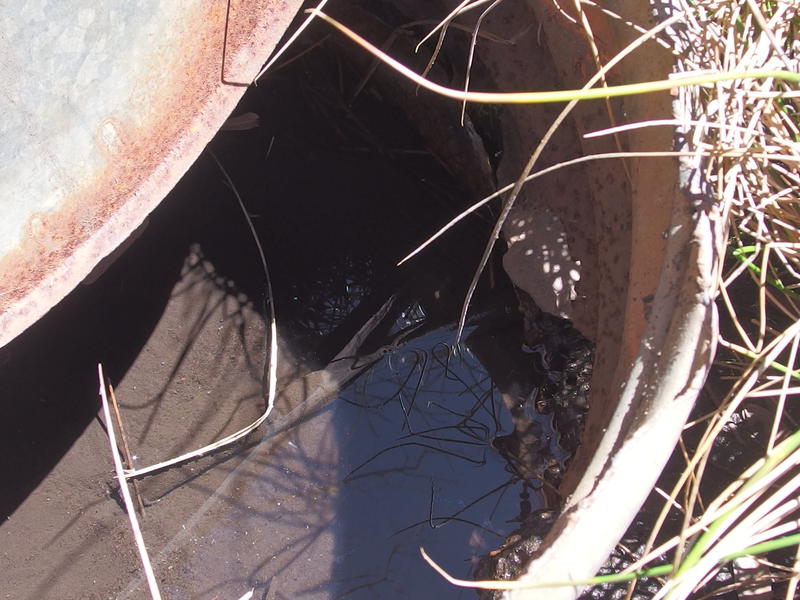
(339, 506)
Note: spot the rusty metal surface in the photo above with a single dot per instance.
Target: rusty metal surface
(105, 105)
(656, 253)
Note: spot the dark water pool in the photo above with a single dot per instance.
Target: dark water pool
(339, 506)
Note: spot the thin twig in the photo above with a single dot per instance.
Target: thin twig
(471, 57)
(534, 158)
(269, 382)
(599, 65)
(155, 593)
(125, 448)
(567, 163)
(585, 93)
(289, 42)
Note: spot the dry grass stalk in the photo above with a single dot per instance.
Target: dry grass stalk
(280, 51)
(155, 593)
(270, 361)
(125, 447)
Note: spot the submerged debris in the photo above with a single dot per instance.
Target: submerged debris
(547, 427)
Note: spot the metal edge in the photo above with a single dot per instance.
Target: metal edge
(61, 248)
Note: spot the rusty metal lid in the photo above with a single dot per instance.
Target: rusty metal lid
(104, 107)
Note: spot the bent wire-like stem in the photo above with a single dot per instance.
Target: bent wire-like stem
(323, 386)
(629, 89)
(152, 583)
(270, 378)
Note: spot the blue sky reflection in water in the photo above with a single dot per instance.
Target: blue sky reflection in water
(417, 462)
(338, 506)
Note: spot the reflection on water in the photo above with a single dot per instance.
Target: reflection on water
(338, 506)
(419, 470)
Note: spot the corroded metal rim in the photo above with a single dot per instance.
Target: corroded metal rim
(103, 114)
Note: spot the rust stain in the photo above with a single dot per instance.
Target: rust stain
(145, 154)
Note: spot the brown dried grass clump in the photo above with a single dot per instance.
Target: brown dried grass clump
(747, 132)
